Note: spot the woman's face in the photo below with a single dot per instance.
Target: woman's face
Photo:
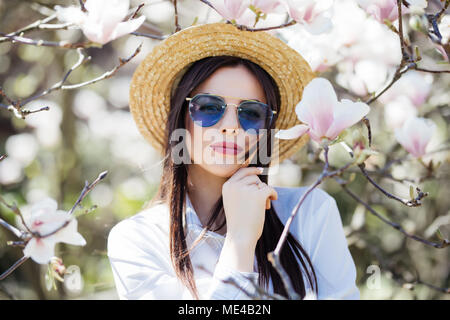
(237, 82)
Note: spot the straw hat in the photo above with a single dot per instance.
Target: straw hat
(158, 74)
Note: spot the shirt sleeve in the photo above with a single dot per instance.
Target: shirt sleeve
(328, 250)
(242, 289)
(141, 273)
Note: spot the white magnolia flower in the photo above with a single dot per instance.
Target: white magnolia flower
(417, 6)
(397, 111)
(268, 6)
(414, 85)
(313, 15)
(322, 114)
(103, 20)
(353, 39)
(444, 28)
(415, 134)
(44, 218)
(231, 9)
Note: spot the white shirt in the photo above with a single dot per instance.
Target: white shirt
(138, 251)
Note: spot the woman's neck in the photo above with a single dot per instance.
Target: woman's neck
(204, 190)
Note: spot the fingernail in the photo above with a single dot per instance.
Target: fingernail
(261, 169)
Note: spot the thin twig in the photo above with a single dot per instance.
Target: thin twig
(16, 107)
(83, 8)
(394, 225)
(17, 211)
(7, 226)
(274, 256)
(136, 12)
(409, 203)
(233, 282)
(245, 28)
(177, 26)
(325, 174)
(32, 26)
(87, 188)
(400, 279)
(107, 74)
(275, 261)
(13, 267)
(407, 63)
(148, 35)
(44, 43)
(431, 71)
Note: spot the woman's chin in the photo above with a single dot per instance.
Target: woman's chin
(225, 170)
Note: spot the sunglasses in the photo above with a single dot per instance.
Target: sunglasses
(208, 109)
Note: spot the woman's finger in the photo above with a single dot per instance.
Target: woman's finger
(242, 172)
(251, 179)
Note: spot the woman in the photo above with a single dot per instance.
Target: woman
(207, 233)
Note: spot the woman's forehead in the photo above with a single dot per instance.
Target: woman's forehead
(233, 83)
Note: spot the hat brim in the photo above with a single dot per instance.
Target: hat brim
(154, 78)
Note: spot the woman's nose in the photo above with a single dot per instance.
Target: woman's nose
(229, 122)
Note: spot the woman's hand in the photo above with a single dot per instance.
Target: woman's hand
(245, 204)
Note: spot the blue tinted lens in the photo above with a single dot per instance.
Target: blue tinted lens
(254, 115)
(206, 109)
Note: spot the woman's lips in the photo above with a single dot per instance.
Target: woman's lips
(226, 148)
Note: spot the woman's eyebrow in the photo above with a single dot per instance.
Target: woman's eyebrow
(239, 101)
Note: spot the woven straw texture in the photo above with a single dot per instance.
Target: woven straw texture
(157, 75)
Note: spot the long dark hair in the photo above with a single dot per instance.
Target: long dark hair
(172, 188)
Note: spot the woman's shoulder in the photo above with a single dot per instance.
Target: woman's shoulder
(289, 196)
(314, 212)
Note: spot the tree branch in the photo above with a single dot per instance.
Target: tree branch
(394, 225)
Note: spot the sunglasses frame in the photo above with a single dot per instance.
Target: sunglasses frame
(237, 105)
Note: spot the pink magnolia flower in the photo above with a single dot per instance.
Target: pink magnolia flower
(415, 134)
(444, 29)
(310, 13)
(324, 117)
(381, 9)
(267, 6)
(103, 20)
(414, 85)
(231, 9)
(387, 9)
(44, 218)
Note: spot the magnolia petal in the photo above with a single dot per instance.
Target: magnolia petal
(292, 133)
(94, 32)
(45, 205)
(40, 250)
(70, 14)
(319, 25)
(418, 3)
(70, 235)
(237, 7)
(50, 222)
(314, 136)
(346, 114)
(415, 135)
(127, 27)
(317, 105)
(107, 11)
(230, 9)
(39, 211)
(111, 15)
(268, 6)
